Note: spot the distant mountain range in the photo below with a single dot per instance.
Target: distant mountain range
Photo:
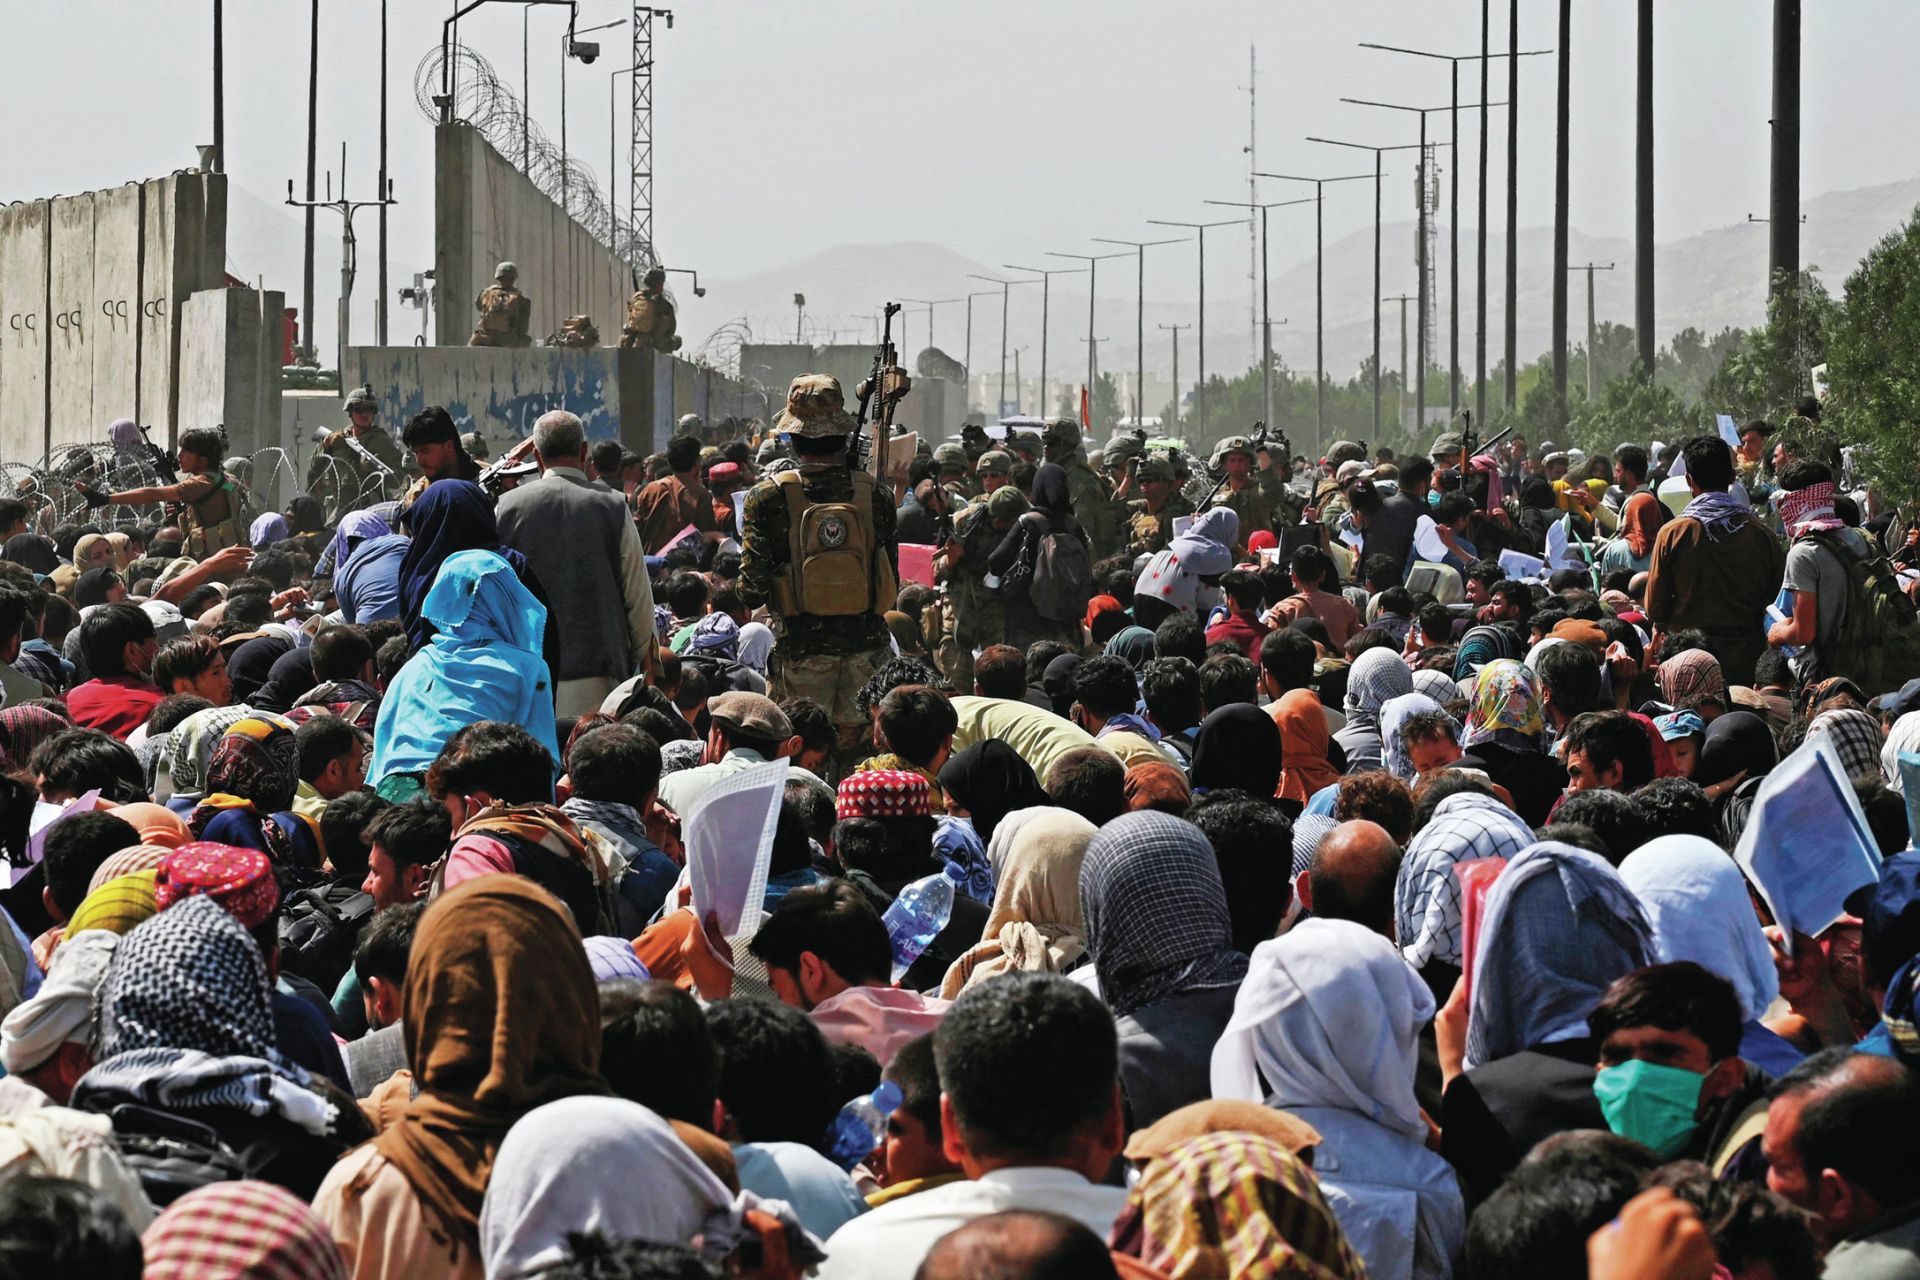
(1707, 281)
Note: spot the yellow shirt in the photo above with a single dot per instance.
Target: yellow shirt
(1036, 735)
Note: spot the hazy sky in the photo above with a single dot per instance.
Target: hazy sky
(997, 129)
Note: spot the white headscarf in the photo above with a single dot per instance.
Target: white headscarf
(756, 642)
(1904, 736)
(607, 1165)
(1329, 1015)
(1008, 827)
(1560, 926)
(1697, 901)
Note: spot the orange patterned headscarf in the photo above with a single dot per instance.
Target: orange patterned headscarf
(1234, 1205)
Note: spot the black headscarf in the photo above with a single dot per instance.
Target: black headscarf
(1538, 493)
(288, 681)
(251, 665)
(93, 586)
(306, 515)
(449, 517)
(1238, 748)
(32, 551)
(1735, 741)
(990, 780)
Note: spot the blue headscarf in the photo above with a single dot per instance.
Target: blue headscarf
(449, 517)
(355, 528)
(483, 663)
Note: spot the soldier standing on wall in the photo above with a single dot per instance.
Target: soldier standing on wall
(375, 448)
(819, 549)
(213, 508)
(650, 318)
(505, 312)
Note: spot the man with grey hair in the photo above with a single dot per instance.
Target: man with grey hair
(581, 542)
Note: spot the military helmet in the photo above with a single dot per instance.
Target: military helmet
(1007, 503)
(1345, 451)
(816, 407)
(1447, 444)
(506, 271)
(1120, 448)
(994, 462)
(1155, 467)
(475, 444)
(1232, 444)
(655, 275)
(361, 398)
(689, 425)
(1062, 431)
(951, 455)
(1025, 440)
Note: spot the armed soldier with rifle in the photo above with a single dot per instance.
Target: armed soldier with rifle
(819, 547)
(1250, 485)
(213, 509)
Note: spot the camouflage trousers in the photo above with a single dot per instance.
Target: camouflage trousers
(834, 681)
(982, 623)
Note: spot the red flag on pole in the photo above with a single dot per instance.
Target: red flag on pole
(1085, 419)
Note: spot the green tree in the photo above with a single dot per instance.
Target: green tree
(1872, 348)
(1767, 371)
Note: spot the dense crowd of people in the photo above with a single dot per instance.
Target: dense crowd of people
(1338, 867)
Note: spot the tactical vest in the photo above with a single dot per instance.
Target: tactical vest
(213, 523)
(835, 568)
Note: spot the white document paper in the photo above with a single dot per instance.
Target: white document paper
(1729, 430)
(729, 840)
(1807, 846)
(1557, 555)
(1426, 540)
(1181, 524)
(1518, 564)
(740, 508)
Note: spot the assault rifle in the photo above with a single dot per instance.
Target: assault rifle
(880, 394)
(494, 475)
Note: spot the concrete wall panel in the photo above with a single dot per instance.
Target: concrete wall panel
(23, 332)
(500, 393)
(230, 365)
(70, 412)
(156, 306)
(114, 316)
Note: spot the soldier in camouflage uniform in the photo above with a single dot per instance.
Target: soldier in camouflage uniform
(979, 613)
(828, 657)
(1255, 491)
(952, 460)
(505, 312)
(339, 474)
(992, 471)
(1153, 514)
(1093, 503)
(650, 319)
(1026, 446)
(214, 510)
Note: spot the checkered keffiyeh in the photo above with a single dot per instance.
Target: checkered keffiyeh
(240, 880)
(1156, 912)
(1426, 898)
(884, 793)
(251, 1229)
(1857, 738)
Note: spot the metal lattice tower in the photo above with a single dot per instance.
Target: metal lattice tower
(1429, 198)
(640, 143)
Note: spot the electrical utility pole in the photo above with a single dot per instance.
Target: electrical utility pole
(1046, 288)
(1593, 331)
(1783, 241)
(1642, 199)
(1265, 336)
(1140, 313)
(349, 247)
(1176, 328)
(313, 160)
(1093, 261)
(1511, 390)
(1200, 384)
(1563, 113)
(1253, 163)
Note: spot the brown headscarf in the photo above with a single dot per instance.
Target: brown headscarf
(1304, 740)
(1639, 522)
(1158, 786)
(501, 1015)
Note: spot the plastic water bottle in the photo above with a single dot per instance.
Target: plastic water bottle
(916, 916)
(862, 1123)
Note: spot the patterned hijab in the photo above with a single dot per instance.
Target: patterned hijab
(1480, 646)
(1234, 1204)
(256, 761)
(1505, 708)
(1156, 912)
(191, 744)
(1426, 894)
(1687, 677)
(1393, 723)
(24, 728)
(240, 1231)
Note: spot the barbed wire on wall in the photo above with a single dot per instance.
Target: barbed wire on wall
(482, 100)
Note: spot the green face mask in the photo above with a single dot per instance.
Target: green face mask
(1651, 1104)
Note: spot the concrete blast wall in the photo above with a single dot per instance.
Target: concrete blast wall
(91, 293)
(487, 212)
(230, 364)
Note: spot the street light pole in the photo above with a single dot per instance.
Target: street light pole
(1410, 146)
(1403, 300)
(1563, 113)
(1093, 261)
(1319, 291)
(1005, 285)
(1140, 320)
(1046, 275)
(380, 306)
(929, 304)
(1266, 311)
(1201, 228)
(1176, 328)
(1593, 330)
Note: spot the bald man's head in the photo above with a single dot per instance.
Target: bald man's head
(1353, 875)
(1020, 1244)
